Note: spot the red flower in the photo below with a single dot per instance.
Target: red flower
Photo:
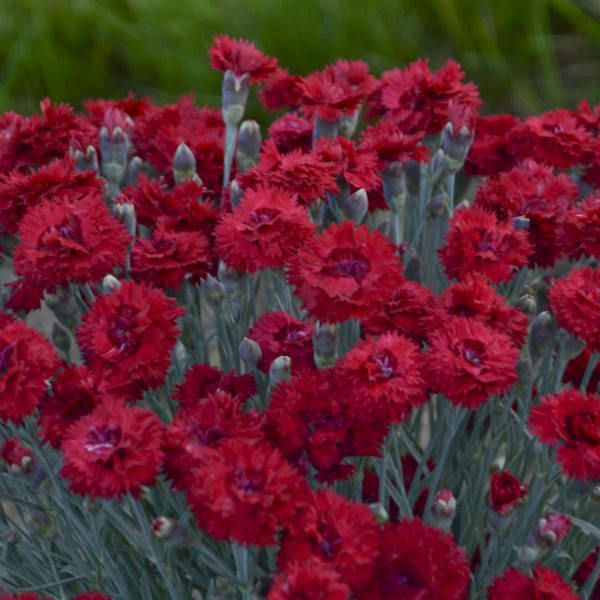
(477, 243)
(15, 455)
(489, 153)
(25, 295)
(544, 583)
(208, 423)
(533, 191)
(91, 596)
(241, 57)
(336, 531)
(309, 581)
(170, 257)
(417, 561)
(74, 394)
(245, 491)
(553, 528)
(113, 451)
(27, 360)
(279, 334)
(556, 138)
(576, 370)
(346, 272)
(69, 240)
(132, 106)
(385, 376)
(469, 361)
(571, 420)
(392, 144)
(292, 132)
(585, 570)
(299, 174)
(21, 190)
(128, 337)
(281, 90)
(589, 117)
(505, 491)
(264, 231)
(418, 99)
(575, 300)
(7, 596)
(579, 232)
(203, 380)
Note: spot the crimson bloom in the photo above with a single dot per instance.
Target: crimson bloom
(417, 561)
(544, 583)
(292, 132)
(25, 596)
(91, 596)
(245, 491)
(69, 240)
(309, 581)
(579, 233)
(27, 361)
(505, 491)
(391, 144)
(113, 451)
(585, 570)
(477, 243)
(128, 337)
(264, 231)
(132, 105)
(571, 421)
(281, 90)
(279, 334)
(346, 272)
(575, 300)
(576, 368)
(241, 57)
(469, 361)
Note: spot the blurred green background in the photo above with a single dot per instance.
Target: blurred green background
(525, 55)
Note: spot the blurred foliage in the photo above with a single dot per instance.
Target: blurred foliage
(525, 56)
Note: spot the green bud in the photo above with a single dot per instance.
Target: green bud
(280, 370)
(324, 344)
(235, 194)
(61, 338)
(527, 304)
(437, 205)
(86, 161)
(380, 513)
(524, 372)
(412, 269)
(184, 163)
(323, 128)
(248, 145)
(234, 95)
(572, 347)
(250, 352)
(215, 290)
(347, 124)
(394, 184)
(355, 206)
(541, 333)
(110, 284)
(134, 169)
(456, 147)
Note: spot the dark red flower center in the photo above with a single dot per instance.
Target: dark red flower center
(474, 352)
(387, 363)
(584, 426)
(162, 244)
(262, 216)
(121, 333)
(351, 266)
(291, 333)
(5, 355)
(330, 541)
(206, 436)
(102, 440)
(486, 244)
(70, 229)
(247, 482)
(402, 585)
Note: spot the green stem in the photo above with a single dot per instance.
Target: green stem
(230, 139)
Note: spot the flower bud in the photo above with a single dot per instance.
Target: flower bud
(524, 372)
(437, 166)
(323, 128)
(572, 347)
(506, 491)
(527, 304)
(169, 530)
(86, 161)
(324, 344)
(456, 146)
(134, 169)
(250, 352)
(128, 218)
(248, 145)
(541, 333)
(347, 123)
(115, 150)
(551, 529)
(63, 306)
(235, 194)
(184, 163)
(355, 206)
(280, 369)
(437, 205)
(233, 281)
(443, 509)
(529, 554)
(394, 184)
(381, 515)
(215, 290)
(110, 284)
(412, 267)
(521, 223)
(61, 338)
(234, 95)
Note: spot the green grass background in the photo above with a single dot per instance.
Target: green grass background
(525, 55)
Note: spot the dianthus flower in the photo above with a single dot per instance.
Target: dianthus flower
(505, 491)
(131, 105)
(300, 174)
(69, 241)
(544, 583)
(477, 243)
(209, 423)
(19, 190)
(385, 373)
(25, 295)
(418, 99)
(113, 451)
(291, 132)
(589, 117)
(27, 361)
(531, 190)
(585, 570)
(346, 272)
(170, 257)
(245, 491)
(555, 138)
(202, 380)
(571, 421)
(281, 90)
(128, 337)
(469, 361)
(279, 334)
(25, 596)
(576, 370)
(311, 580)
(15, 455)
(241, 57)
(575, 301)
(417, 561)
(336, 531)
(264, 231)
(75, 393)
(579, 229)
(489, 153)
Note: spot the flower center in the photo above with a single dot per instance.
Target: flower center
(386, 362)
(262, 215)
(584, 426)
(5, 356)
(245, 482)
(209, 436)
(290, 333)
(402, 585)
(70, 229)
(162, 244)
(474, 353)
(352, 267)
(121, 334)
(102, 440)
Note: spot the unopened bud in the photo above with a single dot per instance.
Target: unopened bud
(61, 338)
(521, 223)
(86, 161)
(91, 505)
(437, 166)
(347, 124)
(110, 284)
(134, 169)
(169, 530)
(215, 290)
(250, 352)
(355, 206)
(233, 281)
(394, 184)
(541, 333)
(323, 128)
(412, 266)
(572, 347)
(184, 163)
(527, 304)
(324, 344)
(529, 554)
(524, 370)
(234, 95)
(235, 194)
(280, 370)
(443, 509)
(128, 218)
(437, 205)
(456, 146)
(248, 145)
(381, 515)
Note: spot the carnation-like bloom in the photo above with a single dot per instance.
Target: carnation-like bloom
(245, 491)
(128, 337)
(576, 370)
(477, 243)
(338, 532)
(346, 272)
(25, 596)
(241, 57)
(282, 89)
(505, 491)
(571, 421)
(417, 561)
(279, 334)
(290, 132)
(71, 240)
(585, 570)
(27, 361)
(113, 451)
(264, 231)
(132, 106)
(544, 583)
(575, 301)
(468, 362)
(579, 229)
(311, 580)
(19, 190)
